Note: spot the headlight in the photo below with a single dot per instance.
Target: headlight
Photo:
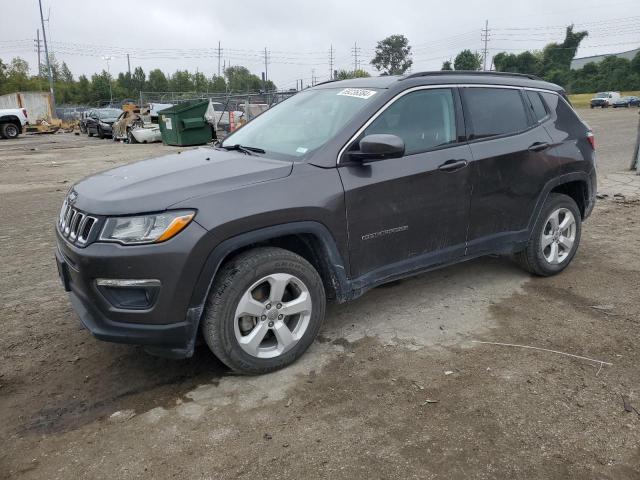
(153, 228)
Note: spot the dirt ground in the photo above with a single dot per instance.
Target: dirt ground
(395, 387)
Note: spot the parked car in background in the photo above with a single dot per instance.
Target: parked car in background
(100, 120)
(341, 188)
(604, 99)
(627, 102)
(12, 122)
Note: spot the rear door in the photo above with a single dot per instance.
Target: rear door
(509, 146)
(404, 213)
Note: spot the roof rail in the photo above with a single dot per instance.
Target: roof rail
(470, 72)
(327, 81)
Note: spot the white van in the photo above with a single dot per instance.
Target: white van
(604, 99)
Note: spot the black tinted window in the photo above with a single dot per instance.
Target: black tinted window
(424, 119)
(566, 118)
(537, 107)
(495, 111)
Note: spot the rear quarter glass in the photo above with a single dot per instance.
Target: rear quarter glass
(566, 119)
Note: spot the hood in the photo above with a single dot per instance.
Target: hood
(157, 184)
(109, 120)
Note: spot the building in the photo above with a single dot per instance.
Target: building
(578, 63)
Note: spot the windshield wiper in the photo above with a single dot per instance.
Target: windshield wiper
(244, 149)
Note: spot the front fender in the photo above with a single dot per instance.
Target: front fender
(213, 262)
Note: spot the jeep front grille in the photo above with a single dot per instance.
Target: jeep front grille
(76, 226)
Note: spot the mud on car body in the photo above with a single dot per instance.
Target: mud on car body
(340, 188)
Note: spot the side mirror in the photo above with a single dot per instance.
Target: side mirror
(379, 146)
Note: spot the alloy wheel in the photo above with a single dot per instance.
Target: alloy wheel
(272, 315)
(558, 236)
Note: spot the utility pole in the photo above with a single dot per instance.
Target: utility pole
(107, 59)
(484, 36)
(266, 66)
(46, 53)
(128, 65)
(38, 46)
(219, 55)
(355, 51)
(331, 62)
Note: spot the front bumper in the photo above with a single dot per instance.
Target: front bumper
(168, 327)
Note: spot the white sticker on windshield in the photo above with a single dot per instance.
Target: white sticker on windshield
(357, 93)
(301, 150)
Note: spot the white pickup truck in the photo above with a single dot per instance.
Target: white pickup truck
(12, 122)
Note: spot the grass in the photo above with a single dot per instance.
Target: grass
(583, 99)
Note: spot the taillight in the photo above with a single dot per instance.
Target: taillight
(24, 111)
(592, 140)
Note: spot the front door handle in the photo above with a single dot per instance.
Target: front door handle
(453, 165)
(539, 146)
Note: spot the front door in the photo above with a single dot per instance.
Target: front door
(410, 212)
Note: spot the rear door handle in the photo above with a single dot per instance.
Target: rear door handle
(453, 165)
(539, 146)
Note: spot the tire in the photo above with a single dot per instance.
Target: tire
(9, 130)
(245, 277)
(89, 133)
(100, 133)
(534, 258)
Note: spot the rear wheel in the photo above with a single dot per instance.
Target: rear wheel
(265, 308)
(555, 237)
(9, 130)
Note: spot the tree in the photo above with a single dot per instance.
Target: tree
(347, 74)
(446, 65)
(467, 60)
(83, 90)
(100, 86)
(138, 80)
(181, 81)
(200, 82)
(240, 79)
(393, 55)
(157, 81)
(65, 73)
(217, 84)
(557, 57)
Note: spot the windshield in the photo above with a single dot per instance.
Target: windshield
(302, 123)
(602, 95)
(109, 113)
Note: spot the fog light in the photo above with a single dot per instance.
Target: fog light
(129, 294)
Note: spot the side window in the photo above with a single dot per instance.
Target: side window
(566, 118)
(424, 119)
(495, 111)
(537, 107)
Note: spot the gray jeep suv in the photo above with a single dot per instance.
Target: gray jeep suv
(343, 187)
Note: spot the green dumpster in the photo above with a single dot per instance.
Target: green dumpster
(184, 124)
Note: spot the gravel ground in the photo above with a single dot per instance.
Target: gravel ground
(395, 387)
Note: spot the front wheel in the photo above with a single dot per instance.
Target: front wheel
(265, 309)
(555, 237)
(100, 133)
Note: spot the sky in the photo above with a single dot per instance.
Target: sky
(298, 35)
